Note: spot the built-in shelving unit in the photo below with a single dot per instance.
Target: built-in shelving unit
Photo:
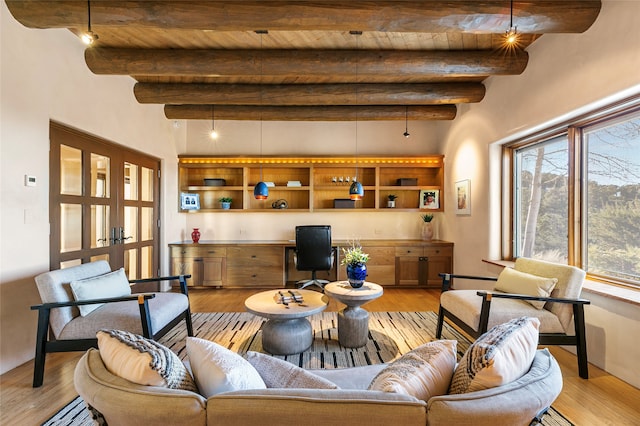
(321, 181)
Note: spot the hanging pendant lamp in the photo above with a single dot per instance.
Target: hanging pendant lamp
(406, 122)
(356, 190)
(261, 190)
(89, 37)
(511, 36)
(214, 133)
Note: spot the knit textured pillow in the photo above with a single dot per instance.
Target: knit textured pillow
(422, 373)
(143, 361)
(500, 356)
(278, 373)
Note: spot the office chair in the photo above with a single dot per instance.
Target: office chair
(313, 252)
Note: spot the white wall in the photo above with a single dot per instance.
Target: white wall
(44, 78)
(566, 76)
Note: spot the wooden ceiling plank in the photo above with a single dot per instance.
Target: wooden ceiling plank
(542, 16)
(309, 94)
(309, 63)
(310, 113)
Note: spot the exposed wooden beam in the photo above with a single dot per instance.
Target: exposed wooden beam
(339, 64)
(310, 113)
(544, 16)
(309, 94)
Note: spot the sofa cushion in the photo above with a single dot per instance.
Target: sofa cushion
(512, 281)
(113, 284)
(142, 361)
(277, 373)
(423, 372)
(217, 369)
(499, 356)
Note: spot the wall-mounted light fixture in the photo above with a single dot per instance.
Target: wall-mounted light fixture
(89, 37)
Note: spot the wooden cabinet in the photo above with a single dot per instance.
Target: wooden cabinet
(255, 266)
(207, 265)
(262, 265)
(311, 183)
(420, 265)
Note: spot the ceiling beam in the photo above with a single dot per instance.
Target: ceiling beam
(309, 94)
(310, 113)
(535, 16)
(338, 64)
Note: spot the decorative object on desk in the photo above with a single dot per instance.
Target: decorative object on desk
(430, 199)
(427, 226)
(463, 197)
(214, 182)
(287, 297)
(280, 204)
(195, 235)
(356, 261)
(225, 202)
(391, 203)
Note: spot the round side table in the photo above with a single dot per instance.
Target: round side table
(287, 330)
(353, 321)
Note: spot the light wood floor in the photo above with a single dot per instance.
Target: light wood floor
(601, 400)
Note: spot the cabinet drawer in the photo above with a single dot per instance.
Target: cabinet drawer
(244, 277)
(198, 251)
(438, 251)
(380, 255)
(409, 251)
(252, 257)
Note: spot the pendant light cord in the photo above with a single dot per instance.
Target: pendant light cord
(89, 16)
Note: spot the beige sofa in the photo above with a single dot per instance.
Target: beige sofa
(124, 403)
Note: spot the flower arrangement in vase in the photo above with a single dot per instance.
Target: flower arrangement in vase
(356, 261)
(427, 226)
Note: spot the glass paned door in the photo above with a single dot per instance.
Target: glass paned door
(104, 204)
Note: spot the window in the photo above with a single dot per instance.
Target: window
(576, 195)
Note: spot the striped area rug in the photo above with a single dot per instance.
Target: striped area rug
(391, 334)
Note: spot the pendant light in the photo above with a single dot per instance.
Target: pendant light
(511, 36)
(261, 190)
(214, 133)
(406, 122)
(89, 37)
(356, 190)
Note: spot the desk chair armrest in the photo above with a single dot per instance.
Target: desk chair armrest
(91, 301)
(446, 279)
(182, 279)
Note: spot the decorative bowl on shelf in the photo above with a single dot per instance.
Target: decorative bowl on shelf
(214, 182)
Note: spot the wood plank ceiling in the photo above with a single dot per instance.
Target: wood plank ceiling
(319, 60)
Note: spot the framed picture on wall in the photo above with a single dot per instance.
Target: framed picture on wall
(189, 201)
(463, 197)
(430, 199)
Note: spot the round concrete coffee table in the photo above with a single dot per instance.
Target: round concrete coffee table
(353, 321)
(287, 331)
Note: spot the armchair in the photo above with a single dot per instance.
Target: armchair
(561, 317)
(313, 252)
(62, 327)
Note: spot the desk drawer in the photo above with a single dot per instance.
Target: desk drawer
(252, 257)
(260, 278)
(438, 251)
(203, 251)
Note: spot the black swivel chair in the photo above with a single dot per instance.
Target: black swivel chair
(313, 252)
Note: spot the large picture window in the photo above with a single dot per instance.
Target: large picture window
(576, 196)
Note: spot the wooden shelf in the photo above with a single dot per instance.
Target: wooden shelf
(319, 177)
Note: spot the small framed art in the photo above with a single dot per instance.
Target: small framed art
(430, 199)
(189, 201)
(463, 197)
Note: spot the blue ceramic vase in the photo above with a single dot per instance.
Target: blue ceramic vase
(356, 274)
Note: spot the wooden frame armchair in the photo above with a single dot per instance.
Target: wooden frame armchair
(561, 319)
(61, 328)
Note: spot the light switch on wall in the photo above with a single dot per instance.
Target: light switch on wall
(29, 180)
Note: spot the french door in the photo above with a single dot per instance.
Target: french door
(104, 202)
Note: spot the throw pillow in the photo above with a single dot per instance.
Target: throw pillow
(422, 373)
(113, 284)
(142, 361)
(217, 369)
(277, 373)
(500, 356)
(512, 281)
